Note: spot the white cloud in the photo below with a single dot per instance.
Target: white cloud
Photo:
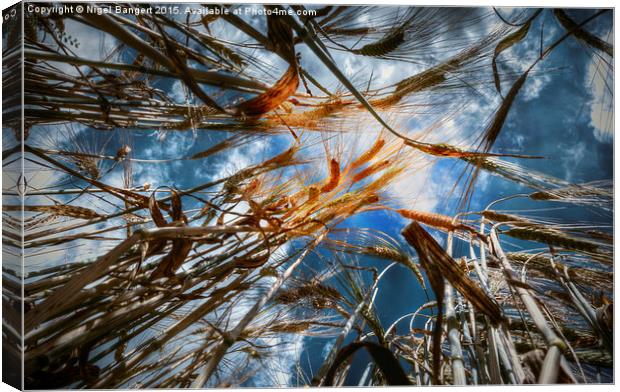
(573, 155)
(600, 80)
(534, 85)
(239, 158)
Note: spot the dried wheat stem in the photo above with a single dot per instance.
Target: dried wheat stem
(533, 309)
(453, 334)
(231, 337)
(319, 378)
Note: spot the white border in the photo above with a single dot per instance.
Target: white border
(500, 3)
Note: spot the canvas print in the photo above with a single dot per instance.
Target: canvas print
(244, 195)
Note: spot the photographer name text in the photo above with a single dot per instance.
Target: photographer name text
(165, 10)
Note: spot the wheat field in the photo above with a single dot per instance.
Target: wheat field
(203, 195)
